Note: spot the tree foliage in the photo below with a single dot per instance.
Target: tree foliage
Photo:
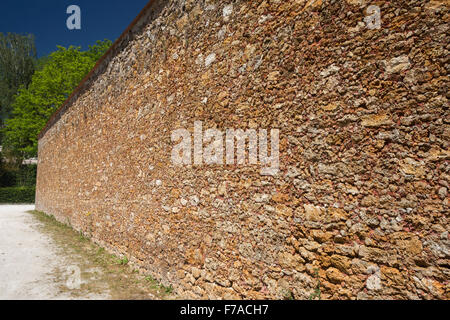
(49, 88)
(17, 65)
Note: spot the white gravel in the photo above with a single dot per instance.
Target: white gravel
(29, 258)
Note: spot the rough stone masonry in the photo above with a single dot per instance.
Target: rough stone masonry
(359, 208)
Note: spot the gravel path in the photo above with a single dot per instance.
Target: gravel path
(29, 259)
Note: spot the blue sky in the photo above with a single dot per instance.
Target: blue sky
(46, 19)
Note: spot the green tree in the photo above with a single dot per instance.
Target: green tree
(97, 50)
(48, 90)
(17, 64)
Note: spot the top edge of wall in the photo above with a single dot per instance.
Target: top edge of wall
(100, 66)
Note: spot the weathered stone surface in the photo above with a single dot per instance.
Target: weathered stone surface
(398, 64)
(335, 276)
(361, 200)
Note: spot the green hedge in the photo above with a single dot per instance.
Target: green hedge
(17, 195)
(26, 175)
(22, 176)
(7, 178)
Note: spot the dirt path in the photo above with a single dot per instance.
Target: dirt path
(28, 257)
(43, 259)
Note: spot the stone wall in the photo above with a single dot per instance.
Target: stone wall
(360, 205)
